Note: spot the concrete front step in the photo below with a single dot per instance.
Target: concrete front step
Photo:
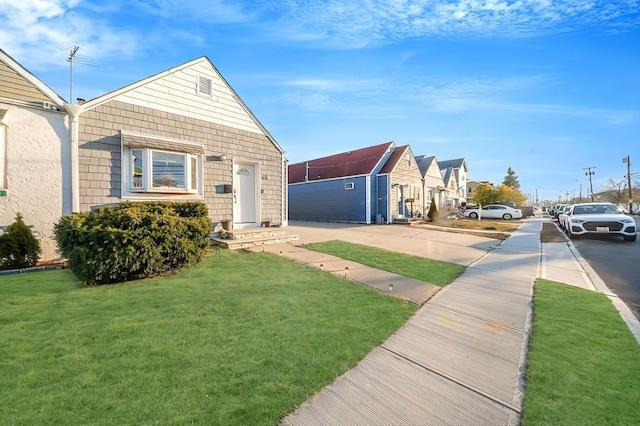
(245, 243)
(406, 220)
(251, 233)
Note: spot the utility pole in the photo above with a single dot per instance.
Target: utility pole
(628, 161)
(580, 199)
(590, 173)
(72, 53)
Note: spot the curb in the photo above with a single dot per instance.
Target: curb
(627, 316)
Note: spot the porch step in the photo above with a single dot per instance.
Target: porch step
(406, 220)
(251, 233)
(245, 243)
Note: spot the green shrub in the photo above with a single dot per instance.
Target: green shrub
(18, 247)
(133, 240)
(433, 211)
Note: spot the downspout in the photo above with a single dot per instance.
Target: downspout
(424, 199)
(74, 118)
(285, 188)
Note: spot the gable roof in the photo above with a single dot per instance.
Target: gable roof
(31, 89)
(446, 175)
(111, 95)
(457, 163)
(351, 163)
(393, 160)
(424, 162)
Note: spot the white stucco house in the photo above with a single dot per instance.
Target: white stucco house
(35, 174)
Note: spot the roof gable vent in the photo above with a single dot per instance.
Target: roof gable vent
(205, 86)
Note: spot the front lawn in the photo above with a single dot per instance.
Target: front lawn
(241, 338)
(420, 268)
(584, 363)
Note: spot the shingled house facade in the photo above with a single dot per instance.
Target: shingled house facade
(182, 134)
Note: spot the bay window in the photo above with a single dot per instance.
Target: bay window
(154, 164)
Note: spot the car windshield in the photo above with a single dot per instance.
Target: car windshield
(596, 209)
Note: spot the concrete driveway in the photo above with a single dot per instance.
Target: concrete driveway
(449, 247)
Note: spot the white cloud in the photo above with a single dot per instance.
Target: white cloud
(358, 23)
(40, 33)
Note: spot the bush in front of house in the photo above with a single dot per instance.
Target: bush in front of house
(18, 247)
(433, 211)
(133, 240)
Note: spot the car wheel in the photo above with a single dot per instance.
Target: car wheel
(473, 215)
(506, 216)
(629, 237)
(570, 235)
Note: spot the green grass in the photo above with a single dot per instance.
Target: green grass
(584, 363)
(241, 338)
(420, 268)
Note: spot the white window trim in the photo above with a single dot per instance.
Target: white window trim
(349, 186)
(147, 165)
(188, 149)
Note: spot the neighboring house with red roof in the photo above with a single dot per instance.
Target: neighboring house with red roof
(454, 175)
(368, 185)
(34, 154)
(433, 186)
(342, 187)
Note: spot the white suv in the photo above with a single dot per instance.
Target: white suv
(599, 218)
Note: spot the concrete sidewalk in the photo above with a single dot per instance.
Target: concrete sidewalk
(461, 358)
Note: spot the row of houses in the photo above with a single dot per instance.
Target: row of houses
(185, 134)
(182, 134)
(376, 184)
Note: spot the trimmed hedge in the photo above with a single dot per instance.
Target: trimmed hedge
(133, 240)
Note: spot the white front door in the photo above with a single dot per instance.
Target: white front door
(244, 193)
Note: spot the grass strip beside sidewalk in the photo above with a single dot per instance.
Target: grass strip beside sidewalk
(420, 268)
(584, 363)
(239, 339)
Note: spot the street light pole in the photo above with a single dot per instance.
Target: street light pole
(590, 173)
(628, 161)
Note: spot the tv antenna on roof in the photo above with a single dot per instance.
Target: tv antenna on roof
(72, 53)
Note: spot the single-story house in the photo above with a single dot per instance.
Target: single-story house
(35, 178)
(376, 184)
(182, 134)
(342, 187)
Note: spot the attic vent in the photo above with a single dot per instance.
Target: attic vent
(204, 86)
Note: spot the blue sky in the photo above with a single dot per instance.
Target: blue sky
(547, 87)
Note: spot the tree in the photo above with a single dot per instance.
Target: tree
(511, 179)
(433, 211)
(18, 247)
(486, 194)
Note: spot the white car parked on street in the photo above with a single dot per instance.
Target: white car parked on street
(494, 211)
(601, 219)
